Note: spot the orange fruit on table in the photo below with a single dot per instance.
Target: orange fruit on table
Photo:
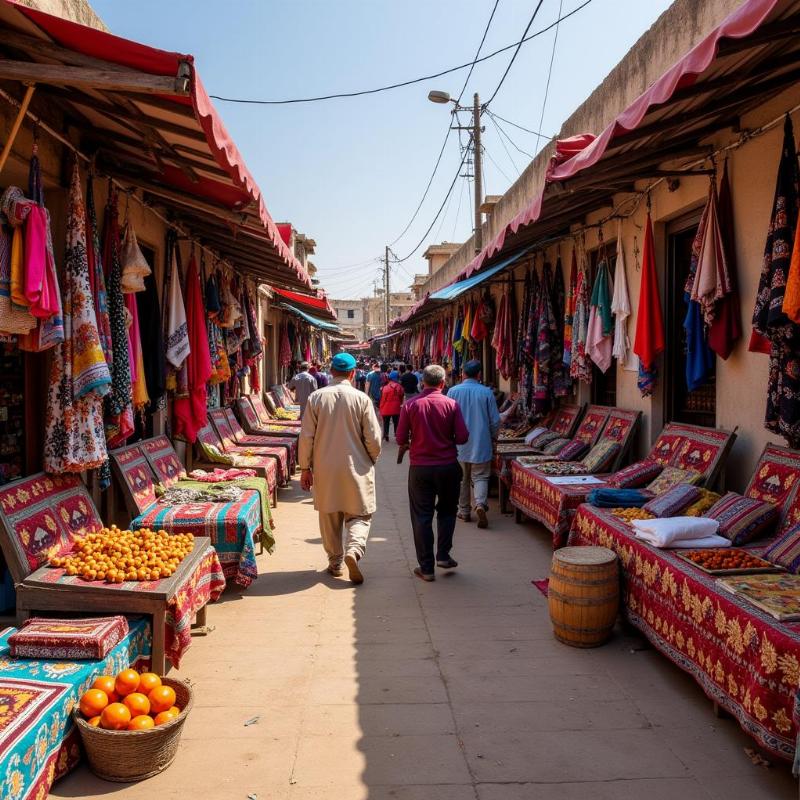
(126, 682)
(141, 723)
(94, 722)
(115, 717)
(137, 703)
(164, 717)
(162, 698)
(93, 702)
(148, 681)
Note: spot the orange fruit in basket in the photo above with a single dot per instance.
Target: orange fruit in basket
(93, 702)
(94, 722)
(115, 717)
(174, 710)
(148, 681)
(137, 703)
(164, 717)
(126, 682)
(162, 698)
(105, 683)
(141, 723)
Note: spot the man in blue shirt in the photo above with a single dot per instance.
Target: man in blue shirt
(374, 385)
(479, 409)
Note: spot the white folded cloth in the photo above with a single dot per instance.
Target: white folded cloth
(666, 532)
(534, 433)
(702, 541)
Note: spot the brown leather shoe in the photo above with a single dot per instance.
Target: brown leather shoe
(335, 570)
(351, 562)
(428, 577)
(483, 520)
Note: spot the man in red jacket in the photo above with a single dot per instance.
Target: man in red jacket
(391, 401)
(433, 425)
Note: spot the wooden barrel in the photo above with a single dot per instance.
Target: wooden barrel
(583, 595)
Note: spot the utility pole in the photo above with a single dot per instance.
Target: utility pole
(477, 169)
(386, 288)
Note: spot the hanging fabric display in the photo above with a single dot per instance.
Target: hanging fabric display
(190, 409)
(150, 331)
(141, 399)
(522, 326)
(580, 368)
(79, 376)
(649, 340)
(13, 318)
(134, 265)
(119, 402)
(620, 303)
(726, 328)
(545, 342)
(97, 273)
(569, 311)
(699, 358)
(562, 383)
(177, 333)
(600, 328)
(503, 336)
(772, 329)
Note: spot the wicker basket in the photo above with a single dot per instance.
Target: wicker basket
(127, 756)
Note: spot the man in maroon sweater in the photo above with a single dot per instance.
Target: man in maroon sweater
(433, 425)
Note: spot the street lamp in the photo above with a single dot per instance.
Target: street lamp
(436, 96)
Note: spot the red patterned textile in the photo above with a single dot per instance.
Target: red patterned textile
(44, 513)
(215, 451)
(565, 419)
(133, 468)
(274, 439)
(265, 418)
(169, 469)
(88, 638)
(255, 425)
(554, 505)
(776, 480)
(743, 658)
(204, 585)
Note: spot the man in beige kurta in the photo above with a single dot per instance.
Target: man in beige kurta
(340, 441)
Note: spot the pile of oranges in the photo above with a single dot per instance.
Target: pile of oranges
(129, 702)
(115, 556)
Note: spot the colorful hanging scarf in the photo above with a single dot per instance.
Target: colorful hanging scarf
(545, 343)
(134, 265)
(79, 376)
(190, 411)
(711, 280)
(13, 320)
(562, 383)
(620, 303)
(649, 340)
(141, 399)
(726, 329)
(569, 309)
(285, 356)
(177, 338)
(580, 368)
(699, 359)
(97, 274)
(119, 403)
(149, 311)
(600, 330)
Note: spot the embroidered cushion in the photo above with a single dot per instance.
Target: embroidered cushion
(636, 475)
(674, 501)
(743, 519)
(702, 504)
(540, 442)
(573, 451)
(672, 476)
(555, 447)
(89, 638)
(532, 436)
(601, 456)
(785, 550)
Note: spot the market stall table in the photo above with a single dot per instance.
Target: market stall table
(38, 740)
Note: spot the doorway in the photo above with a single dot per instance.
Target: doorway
(698, 407)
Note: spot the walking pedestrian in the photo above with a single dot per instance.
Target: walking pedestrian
(303, 384)
(479, 409)
(374, 386)
(391, 401)
(431, 425)
(408, 380)
(340, 441)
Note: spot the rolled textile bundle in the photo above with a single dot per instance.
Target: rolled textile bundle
(618, 498)
(666, 532)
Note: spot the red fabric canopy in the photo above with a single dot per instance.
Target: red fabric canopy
(315, 302)
(242, 188)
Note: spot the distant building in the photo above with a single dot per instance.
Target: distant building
(350, 317)
(437, 255)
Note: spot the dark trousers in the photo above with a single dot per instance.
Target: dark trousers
(388, 419)
(433, 490)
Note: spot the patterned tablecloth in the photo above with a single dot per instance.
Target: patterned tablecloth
(204, 585)
(743, 658)
(38, 739)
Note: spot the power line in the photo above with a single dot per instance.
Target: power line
(505, 133)
(549, 75)
(499, 168)
(516, 52)
(515, 125)
(458, 212)
(449, 128)
(400, 84)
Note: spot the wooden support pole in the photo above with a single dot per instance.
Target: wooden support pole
(23, 110)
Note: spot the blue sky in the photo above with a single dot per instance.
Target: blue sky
(350, 172)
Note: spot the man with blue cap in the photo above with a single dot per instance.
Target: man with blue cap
(479, 409)
(340, 441)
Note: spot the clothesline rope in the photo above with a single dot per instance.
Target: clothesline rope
(39, 123)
